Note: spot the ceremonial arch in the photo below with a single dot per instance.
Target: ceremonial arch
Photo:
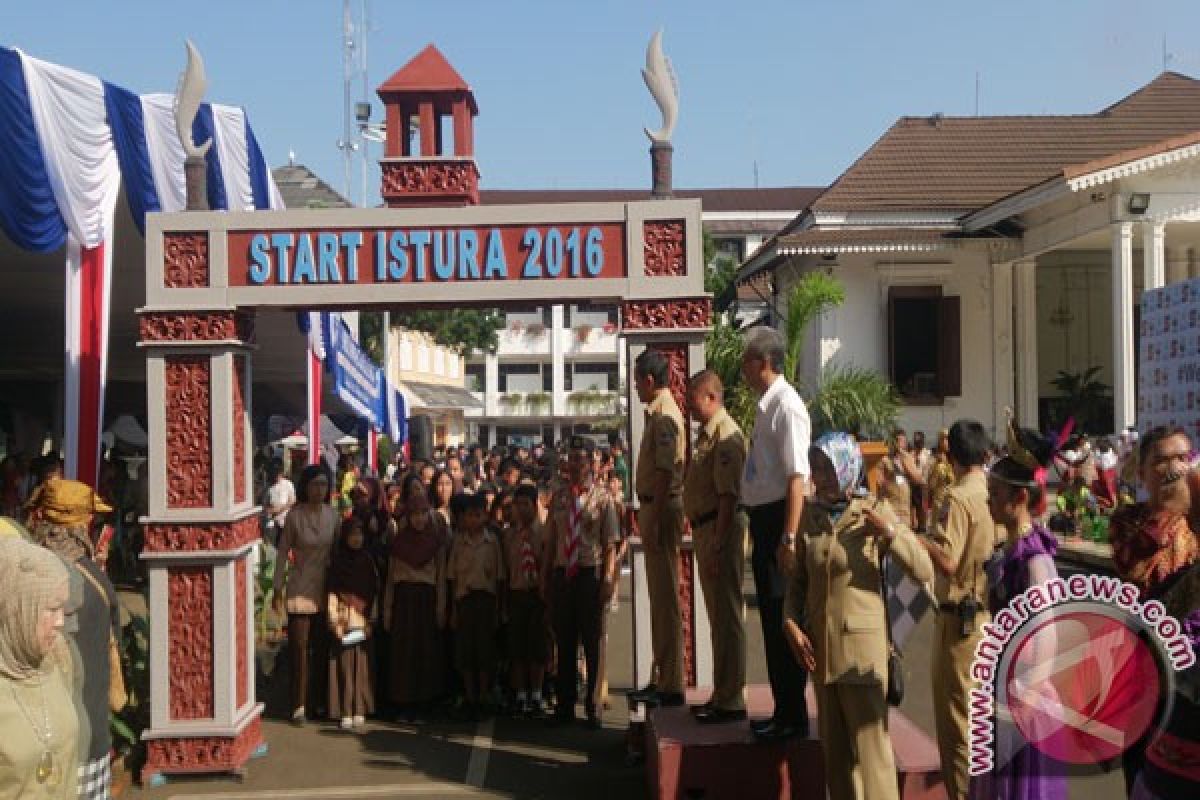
(209, 273)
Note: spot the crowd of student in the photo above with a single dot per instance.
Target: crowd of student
(450, 585)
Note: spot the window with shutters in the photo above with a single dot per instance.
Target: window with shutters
(924, 344)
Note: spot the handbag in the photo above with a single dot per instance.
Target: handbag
(895, 664)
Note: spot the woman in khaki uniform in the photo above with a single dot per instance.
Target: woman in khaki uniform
(835, 619)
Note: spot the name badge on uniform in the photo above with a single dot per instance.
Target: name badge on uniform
(900, 480)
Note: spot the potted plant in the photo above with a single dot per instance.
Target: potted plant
(512, 400)
(516, 326)
(1083, 397)
(538, 402)
(583, 333)
(535, 329)
(610, 327)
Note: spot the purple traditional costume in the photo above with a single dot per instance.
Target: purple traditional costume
(1027, 773)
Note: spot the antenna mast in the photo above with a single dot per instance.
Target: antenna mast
(364, 30)
(347, 143)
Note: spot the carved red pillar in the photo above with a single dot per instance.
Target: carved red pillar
(201, 529)
(676, 327)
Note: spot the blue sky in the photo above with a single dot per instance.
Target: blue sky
(801, 87)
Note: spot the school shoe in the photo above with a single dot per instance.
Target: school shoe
(298, 716)
(347, 723)
(670, 699)
(360, 722)
(593, 721)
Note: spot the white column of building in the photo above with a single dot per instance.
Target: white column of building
(1024, 274)
(491, 394)
(1154, 271)
(1124, 390)
(1003, 375)
(1177, 264)
(558, 365)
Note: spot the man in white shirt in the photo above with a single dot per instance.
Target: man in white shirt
(773, 487)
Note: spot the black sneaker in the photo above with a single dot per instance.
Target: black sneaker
(644, 695)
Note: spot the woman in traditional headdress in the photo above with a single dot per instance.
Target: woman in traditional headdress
(39, 725)
(1016, 498)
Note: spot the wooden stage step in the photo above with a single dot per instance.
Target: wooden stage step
(687, 760)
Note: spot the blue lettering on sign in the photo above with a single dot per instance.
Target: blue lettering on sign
(282, 242)
(420, 242)
(260, 261)
(468, 255)
(443, 255)
(497, 264)
(306, 268)
(398, 266)
(327, 248)
(351, 241)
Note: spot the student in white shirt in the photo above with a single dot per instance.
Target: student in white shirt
(773, 487)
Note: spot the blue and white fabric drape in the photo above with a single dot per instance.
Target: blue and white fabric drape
(68, 143)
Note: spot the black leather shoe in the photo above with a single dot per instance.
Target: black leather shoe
(670, 699)
(715, 716)
(645, 694)
(779, 732)
(761, 724)
(702, 708)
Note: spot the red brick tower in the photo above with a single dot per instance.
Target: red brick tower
(421, 168)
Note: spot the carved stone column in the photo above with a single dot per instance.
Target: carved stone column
(676, 328)
(201, 530)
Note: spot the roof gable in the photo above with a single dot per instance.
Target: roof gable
(428, 71)
(965, 163)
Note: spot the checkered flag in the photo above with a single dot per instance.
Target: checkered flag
(907, 601)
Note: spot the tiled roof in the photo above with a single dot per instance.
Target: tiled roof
(964, 163)
(782, 198)
(301, 188)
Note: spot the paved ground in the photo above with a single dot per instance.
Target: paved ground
(505, 757)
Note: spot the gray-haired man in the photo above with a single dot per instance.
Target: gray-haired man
(773, 487)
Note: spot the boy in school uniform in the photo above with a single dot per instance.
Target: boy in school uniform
(527, 635)
(476, 575)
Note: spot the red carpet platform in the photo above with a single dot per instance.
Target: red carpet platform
(686, 760)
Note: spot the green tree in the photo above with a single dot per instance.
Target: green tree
(720, 272)
(813, 295)
(460, 329)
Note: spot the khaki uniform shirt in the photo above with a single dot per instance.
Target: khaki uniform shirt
(965, 532)
(716, 469)
(597, 523)
(476, 563)
(663, 445)
(834, 593)
(515, 558)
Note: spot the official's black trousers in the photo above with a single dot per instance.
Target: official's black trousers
(787, 677)
(575, 608)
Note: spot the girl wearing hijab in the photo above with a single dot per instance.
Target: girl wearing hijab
(352, 586)
(1016, 499)
(308, 533)
(835, 619)
(414, 600)
(39, 725)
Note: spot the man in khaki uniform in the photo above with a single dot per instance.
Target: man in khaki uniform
(582, 533)
(962, 539)
(710, 497)
(659, 485)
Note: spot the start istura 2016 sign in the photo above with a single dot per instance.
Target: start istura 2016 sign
(427, 255)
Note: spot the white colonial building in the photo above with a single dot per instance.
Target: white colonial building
(982, 256)
(560, 369)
